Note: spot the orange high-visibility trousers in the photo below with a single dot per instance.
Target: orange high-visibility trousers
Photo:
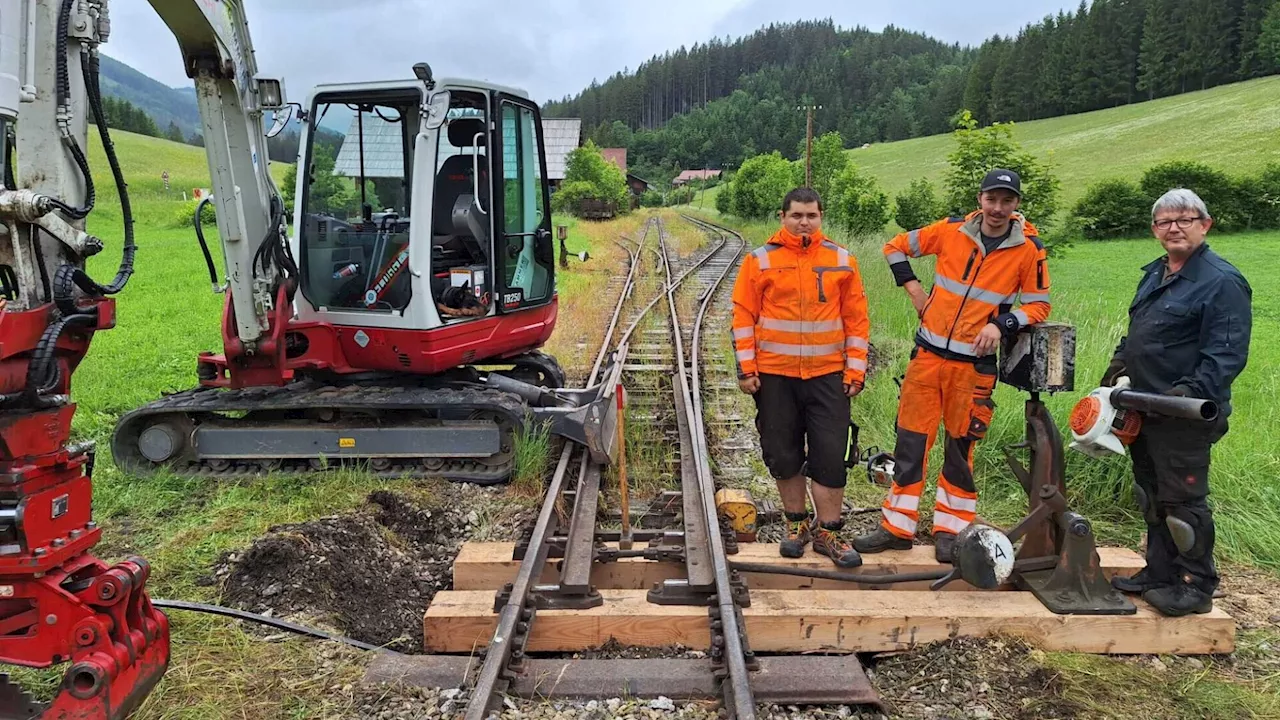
(957, 393)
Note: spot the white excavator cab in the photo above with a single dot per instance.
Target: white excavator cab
(430, 209)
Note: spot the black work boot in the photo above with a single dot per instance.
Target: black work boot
(944, 544)
(799, 531)
(1140, 582)
(1179, 598)
(827, 541)
(879, 540)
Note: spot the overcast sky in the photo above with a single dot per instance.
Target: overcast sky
(551, 48)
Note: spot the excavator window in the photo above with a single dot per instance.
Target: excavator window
(524, 248)
(355, 234)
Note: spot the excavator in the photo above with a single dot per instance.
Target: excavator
(396, 325)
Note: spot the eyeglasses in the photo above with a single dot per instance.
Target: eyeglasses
(1183, 223)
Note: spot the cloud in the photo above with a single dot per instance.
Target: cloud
(551, 48)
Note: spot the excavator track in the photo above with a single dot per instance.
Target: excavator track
(461, 433)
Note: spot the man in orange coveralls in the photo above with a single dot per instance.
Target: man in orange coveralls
(986, 260)
(800, 332)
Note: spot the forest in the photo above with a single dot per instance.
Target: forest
(723, 101)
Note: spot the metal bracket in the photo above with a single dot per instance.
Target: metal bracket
(1077, 585)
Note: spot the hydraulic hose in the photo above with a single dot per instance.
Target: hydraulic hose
(264, 620)
(204, 246)
(63, 83)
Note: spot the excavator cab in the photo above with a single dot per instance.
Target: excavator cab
(432, 208)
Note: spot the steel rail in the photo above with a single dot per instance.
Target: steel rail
(517, 615)
(739, 699)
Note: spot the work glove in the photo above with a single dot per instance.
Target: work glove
(1177, 391)
(1114, 372)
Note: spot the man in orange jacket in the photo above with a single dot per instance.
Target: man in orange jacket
(800, 332)
(985, 261)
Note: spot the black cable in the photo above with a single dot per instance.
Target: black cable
(42, 372)
(40, 264)
(264, 620)
(63, 82)
(204, 246)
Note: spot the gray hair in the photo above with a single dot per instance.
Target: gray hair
(1180, 199)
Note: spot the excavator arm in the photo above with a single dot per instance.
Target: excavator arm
(59, 603)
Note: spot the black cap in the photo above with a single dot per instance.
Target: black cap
(999, 179)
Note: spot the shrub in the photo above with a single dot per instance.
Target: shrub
(571, 194)
(856, 204)
(724, 199)
(651, 199)
(1217, 190)
(917, 206)
(759, 186)
(680, 196)
(589, 175)
(184, 216)
(1259, 198)
(1113, 209)
(978, 151)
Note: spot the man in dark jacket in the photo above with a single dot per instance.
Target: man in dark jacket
(1189, 328)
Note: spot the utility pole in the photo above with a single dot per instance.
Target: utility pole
(808, 143)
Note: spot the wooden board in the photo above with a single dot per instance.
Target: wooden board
(834, 620)
(488, 566)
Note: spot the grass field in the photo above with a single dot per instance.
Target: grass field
(1235, 128)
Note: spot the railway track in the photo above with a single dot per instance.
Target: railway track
(656, 355)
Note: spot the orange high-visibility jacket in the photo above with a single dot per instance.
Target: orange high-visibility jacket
(972, 287)
(799, 310)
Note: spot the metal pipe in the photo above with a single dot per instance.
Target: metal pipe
(1168, 405)
(29, 87)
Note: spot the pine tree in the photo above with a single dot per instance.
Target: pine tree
(1252, 61)
(1157, 73)
(174, 133)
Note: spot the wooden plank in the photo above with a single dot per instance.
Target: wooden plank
(488, 566)
(834, 620)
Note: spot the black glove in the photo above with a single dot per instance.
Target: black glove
(1177, 391)
(1114, 371)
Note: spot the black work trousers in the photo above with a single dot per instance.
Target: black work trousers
(804, 424)
(1171, 470)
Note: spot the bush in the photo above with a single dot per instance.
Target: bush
(184, 216)
(978, 151)
(1259, 198)
(1113, 209)
(917, 206)
(680, 196)
(724, 199)
(856, 204)
(1213, 186)
(651, 199)
(760, 185)
(589, 176)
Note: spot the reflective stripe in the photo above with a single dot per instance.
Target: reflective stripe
(800, 326)
(843, 256)
(855, 364)
(855, 343)
(949, 522)
(1035, 297)
(895, 257)
(903, 502)
(1022, 318)
(799, 350)
(762, 254)
(745, 355)
(976, 293)
(898, 520)
(745, 332)
(955, 502)
(913, 238)
(940, 342)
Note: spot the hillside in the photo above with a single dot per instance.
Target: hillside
(163, 103)
(1235, 128)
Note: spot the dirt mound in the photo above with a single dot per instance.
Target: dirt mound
(368, 575)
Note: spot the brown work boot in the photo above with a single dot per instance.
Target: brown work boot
(827, 541)
(799, 530)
